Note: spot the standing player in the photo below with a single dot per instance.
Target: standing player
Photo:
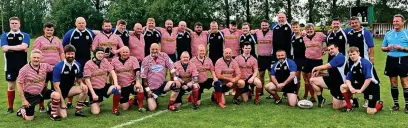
(361, 38)
(249, 69)
(298, 54)
(31, 81)
(183, 39)
(65, 74)
(187, 79)
(128, 71)
(52, 52)
(264, 45)
(395, 44)
(215, 42)
(122, 32)
(168, 40)
(14, 45)
(95, 73)
(110, 42)
(314, 52)
(283, 74)
(137, 43)
(204, 65)
(227, 70)
(153, 73)
(151, 35)
(282, 35)
(337, 36)
(81, 38)
(246, 36)
(198, 37)
(362, 78)
(231, 36)
(336, 78)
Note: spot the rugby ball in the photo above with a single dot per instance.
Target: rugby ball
(305, 104)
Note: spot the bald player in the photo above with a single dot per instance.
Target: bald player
(215, 42)
(168, 40)
(137, 43)
(227, 70)
(108, 40)
(282, 35)
(151, 35)
(183, 39)
(153, 73)
(128, 71)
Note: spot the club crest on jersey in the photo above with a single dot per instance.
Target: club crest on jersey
(219, 37)
(300, 40)
(127, 35)
(359, 35)
(355, 82)
(286, 28)
(76, 71)
(66, 72)
(76, 37)
(8, 76)
(249, 40)
(20, 38)
(10, 38)
(157, 68)
(285, 67)
(157, 35)
(87, 37)
(277, 28)
(340, 37)
(188, 36)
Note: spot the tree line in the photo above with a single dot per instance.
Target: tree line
(34, 13)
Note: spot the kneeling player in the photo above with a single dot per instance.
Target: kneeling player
(153, 72)
(186, 78)
(283, 78)
(128, 71)
(332, 82)
(362, 78)
(249, 69)
(227, 70)
(95, 73)
(31, 81)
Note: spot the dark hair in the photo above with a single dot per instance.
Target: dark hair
(354, 18)
(295, 23)
(335, 19)
(265, 20)
(233, 23)
(48, 25)
(246, 43)
(198, 24)
(121, 21)
(353, 49)
(330, 44)
(399, 15)
(106, 21)
(14, 18)
(280, 50)
(245, 23)
(69, 48)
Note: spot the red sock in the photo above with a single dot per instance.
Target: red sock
(195, 96)
(10, 97)
(214, 95)
(171, 103)
(347, 99)
(115, 99)
(41, 104)
(378, 107)
(257, 93)
(219, 99)
(189, 98)
(238, 93)
(69, 99)
(276, 96)
(140, 98)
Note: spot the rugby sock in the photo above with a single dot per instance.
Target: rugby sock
(195, 96)
(320, 98)
(238, 92)
(347, 99)
(54, 106)
(276, 96)
(405, 90)
(41, 104)
(140, 98)
(115, 104)
(258, 92)
(378, 107)
(10, 97)
(394, 93)
(171, 103)
(219, 99)
(70, 99)
(79, 106)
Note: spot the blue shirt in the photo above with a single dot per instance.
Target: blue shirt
(367, 70)
(396, 38)
(291, 65)
(4, 36)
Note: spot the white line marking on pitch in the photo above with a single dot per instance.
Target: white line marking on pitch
(148, 116)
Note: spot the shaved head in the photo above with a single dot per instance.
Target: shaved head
(282, 18)
(124, 53)
(154, 50)
(182, 25)
(227, 54)
(202, 51)
(184, 57)
(138, 28)
(80, 23)
(125, 48)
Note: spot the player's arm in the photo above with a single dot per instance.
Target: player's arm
(348, 82)
(67, 38)
(215, 78)
(21, 93)
(256, 71)
(95, 43)
(370, 43)
(322, 67)
(4, 42)
(273, 73)
(89, 85)
(115, 78)
(56, 77)
(23, 46)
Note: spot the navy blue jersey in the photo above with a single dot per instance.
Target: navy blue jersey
(14, 60)
(66, 73)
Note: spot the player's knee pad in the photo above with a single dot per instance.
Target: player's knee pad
(217, 86)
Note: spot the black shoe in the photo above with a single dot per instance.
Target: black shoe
(355, 103)
(117, 113)
(313, 100)
(42, 110)
(321, 103)
(346, 110)
(20, 111)
(235, 101)
(80, 114)
(406, 109)
(305, 97)
(69, 105)
(10, 110)
(270, 97)
(395, 108)
(278, 101)
(55, 118)
(86, 103)
(212, 98)
(195, 107)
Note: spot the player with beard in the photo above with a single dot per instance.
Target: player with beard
(52, 52)
(137, 43)
(65, 74)
(264, 45)
(168, 39)
(198, 37)
(231, 36)
(95, 74)
(108, 40)
(215, 42)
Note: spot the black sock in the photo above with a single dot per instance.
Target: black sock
(320, 98)
(405, 90)
(394, 93)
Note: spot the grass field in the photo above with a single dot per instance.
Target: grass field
(267, 114)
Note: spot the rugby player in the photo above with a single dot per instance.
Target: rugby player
(14, 45)
(264, 40)
(198, 37)
(362, 78)
(168, 40)
(122, 32)
(215, 42)
(137, 43)
(298, 54)
(231, 36)
(282, 35)
(283, 74)
(337, 36)
(183, 39)
(361, 38)
(246, 36)
(110, 42)
(151, 35)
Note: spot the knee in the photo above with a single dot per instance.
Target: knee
(343, 88)
(85, 90)
(55, 95)
(29, 118)
(312, 80)
(241, 83)
(63, 115)
(371, 111)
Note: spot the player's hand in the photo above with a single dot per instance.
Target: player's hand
(178, 83)
(26, 104)
(117, 87)
(233, 80)
(83, 87)
(398, 47)
(372, 60)
(215, 79)
(352, 90)
(280, 85)
(251, 80)
(5, 48)
(359, 91)
(95, 97)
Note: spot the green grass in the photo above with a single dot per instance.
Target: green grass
(245, 115)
